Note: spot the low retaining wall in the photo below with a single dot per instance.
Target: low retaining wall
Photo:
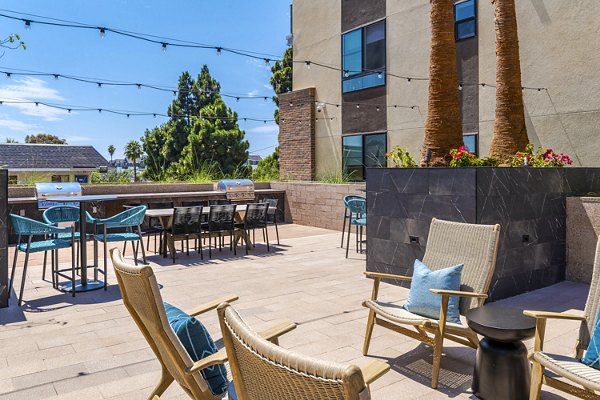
(316, 204)
(583, 229)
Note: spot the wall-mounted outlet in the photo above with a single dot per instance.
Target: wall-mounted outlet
(525, 239)
(414, 239)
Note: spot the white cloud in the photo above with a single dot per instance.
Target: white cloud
(268, 86)
(254, 92)
(32, 89)
(15, 125)
(266, 129)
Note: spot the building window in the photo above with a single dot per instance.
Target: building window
(362, 151)
(470, 141)
(363, 57)
(465, 19)
(81, 178)
(60, 178)
(12, 180)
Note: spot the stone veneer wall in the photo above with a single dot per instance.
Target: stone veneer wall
(297, 135)
(583, 230)
(529, 204)
(3, 238)
(316, 204)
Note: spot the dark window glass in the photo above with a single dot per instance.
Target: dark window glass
(12, 179)
(375, 47)
(363, 58)
(465, 19)
(81, 178)
(60, 178)
(470, 142)
(361, 151)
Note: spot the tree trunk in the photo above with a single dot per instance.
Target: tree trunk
(510, 133)
(443, 128)
(134, 171)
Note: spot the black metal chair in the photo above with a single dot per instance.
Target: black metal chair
(218, 202)
(155, 228)
(221, 221)
(272, 214)
(255, 218)
(186, 223)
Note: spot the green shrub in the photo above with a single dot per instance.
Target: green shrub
(401, 158)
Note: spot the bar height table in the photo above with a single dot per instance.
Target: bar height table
(83, 284)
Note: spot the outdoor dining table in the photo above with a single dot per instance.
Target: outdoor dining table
(84, 284)
(165, 215)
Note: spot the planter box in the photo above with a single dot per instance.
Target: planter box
(529, 204)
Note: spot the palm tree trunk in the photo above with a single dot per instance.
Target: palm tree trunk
(510, 133)
(134, 171)
(443, 128)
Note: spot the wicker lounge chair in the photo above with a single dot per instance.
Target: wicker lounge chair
(264, 371)
(568, 367)
(449, 243)
(142, 298)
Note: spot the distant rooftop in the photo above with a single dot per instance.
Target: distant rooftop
(254, 157)
(49, 156)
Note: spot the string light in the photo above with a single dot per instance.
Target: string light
(307, 63)
(460, 87)
(164, 46)
(27, 25)
(102, 32)
(219, 49)
(379, 75)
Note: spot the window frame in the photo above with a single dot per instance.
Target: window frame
(476, 136)
(363, 48)
(53, 176)
(363, 137)
(469, 19)
(13, 179)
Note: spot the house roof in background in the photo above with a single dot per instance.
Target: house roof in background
(49, 156)
(254, 157)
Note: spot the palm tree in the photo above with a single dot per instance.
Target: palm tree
(111, 151)
(443, 128)
(133, 151)
(510, 133)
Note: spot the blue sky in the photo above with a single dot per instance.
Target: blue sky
(259, 26)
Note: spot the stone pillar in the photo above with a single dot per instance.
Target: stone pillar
(297, 135)
(4, 238)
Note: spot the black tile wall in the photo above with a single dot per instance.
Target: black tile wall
(529, 204)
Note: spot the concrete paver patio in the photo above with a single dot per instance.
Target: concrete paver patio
(87, 347)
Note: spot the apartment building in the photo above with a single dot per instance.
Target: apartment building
(360, 80)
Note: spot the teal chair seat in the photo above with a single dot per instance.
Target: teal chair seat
(45, 245)
(359, 221)
(118, 237)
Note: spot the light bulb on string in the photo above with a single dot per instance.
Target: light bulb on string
(164, 46)
(219, 51)
(99, 84)
(237, 99)
(267, 62)
(8, 75)
(358, 106)
(307, 64)
(346, 74)
(408, 80)
(27, 25)
(139, 85)
(379, 75)
(377, 108)
(56, 76)
(460, 87)
(102, 33)
(69, 110)
(99, 111)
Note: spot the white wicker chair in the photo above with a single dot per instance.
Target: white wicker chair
(449, 243)
(568, 367)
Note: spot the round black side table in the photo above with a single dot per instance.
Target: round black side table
(502, 370)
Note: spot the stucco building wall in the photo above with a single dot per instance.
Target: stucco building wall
(559, 50)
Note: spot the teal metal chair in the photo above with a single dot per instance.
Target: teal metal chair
(358, 218)
(128, 223)
(347, 215)
(65, 214)
(27, 229)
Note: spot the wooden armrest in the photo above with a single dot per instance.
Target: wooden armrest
(374, 370)
(212, 304)
(459, 293)
(553, 315)
(217, 358)
(375, 275)
(277, 330)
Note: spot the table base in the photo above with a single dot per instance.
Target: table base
(502, 371)
(91, 285)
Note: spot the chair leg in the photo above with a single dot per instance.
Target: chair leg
(209, 245)
(165, 381)
(24, 276)
(369, 332)
(537, 376)
(187, 245)
(233, 243)
(173, 249)
(276, 229)
(356, 237)
(199, 246)
(344, 227)
(438, 343)
(135, 251)
(73, 269)
(106, 264)
(266, 232)
(12, 274)
(124, 248)
(44, 268)
(143, 250)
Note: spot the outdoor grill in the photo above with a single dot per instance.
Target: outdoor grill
(237, 189)
(46, 191)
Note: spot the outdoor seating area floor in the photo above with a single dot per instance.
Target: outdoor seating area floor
(88, 347)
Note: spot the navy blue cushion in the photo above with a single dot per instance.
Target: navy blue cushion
(197, 342)
(422, 302)
(592, 355)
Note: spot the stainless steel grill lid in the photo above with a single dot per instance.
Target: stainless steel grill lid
(46, 191)
(237, 189)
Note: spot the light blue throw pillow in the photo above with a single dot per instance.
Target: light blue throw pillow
(592, 355)
(422, 302)
(197, 342)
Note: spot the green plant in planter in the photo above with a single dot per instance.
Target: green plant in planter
(541, 157)
(462, 157)
(401, 158)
